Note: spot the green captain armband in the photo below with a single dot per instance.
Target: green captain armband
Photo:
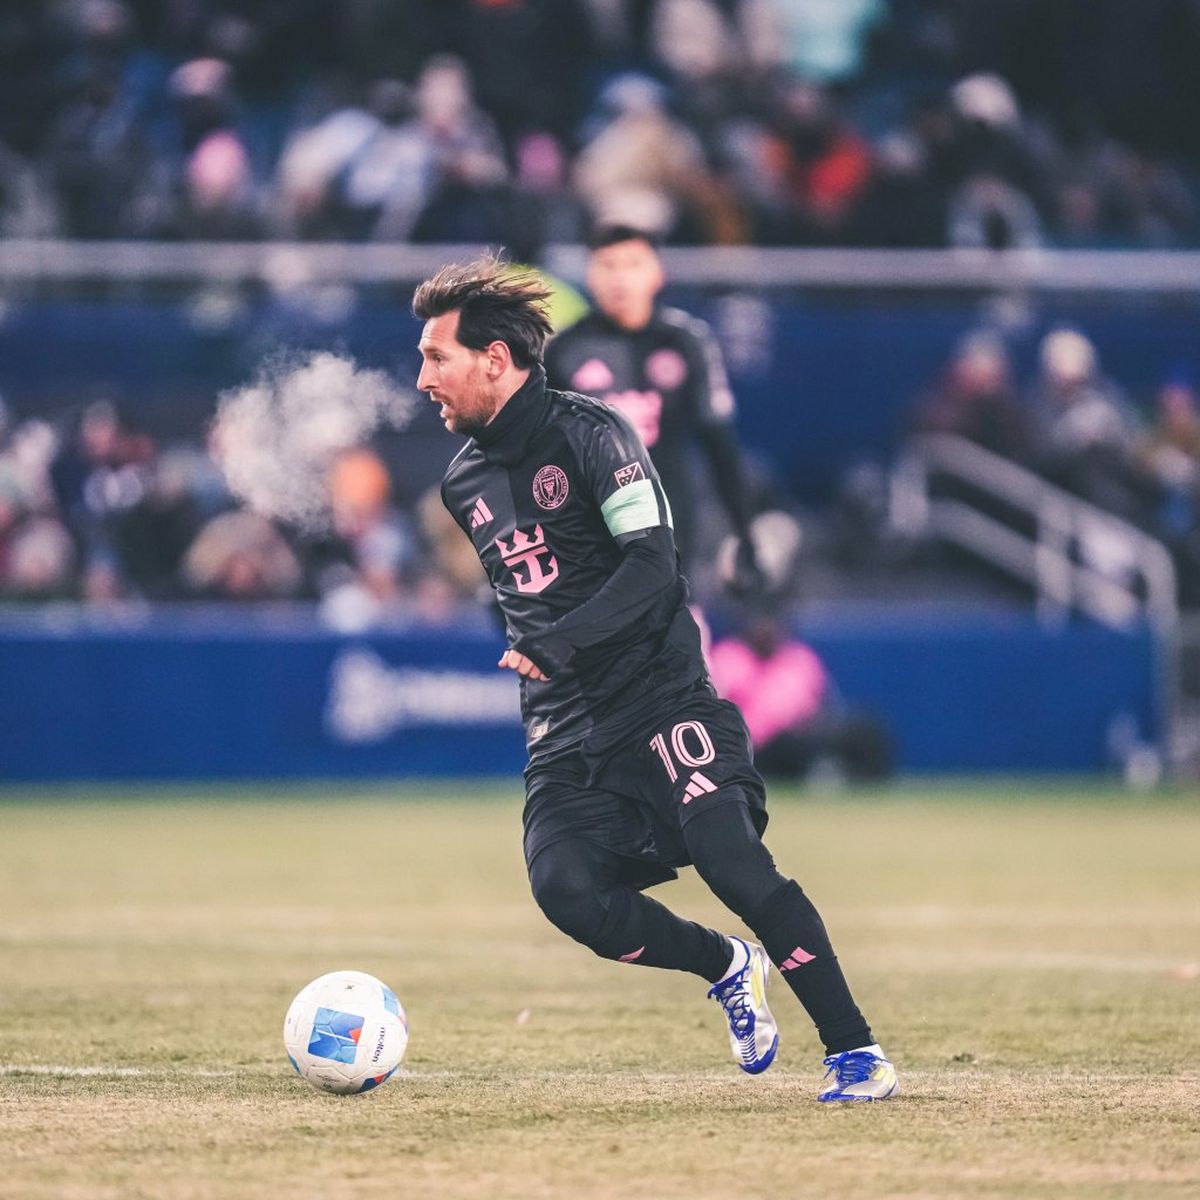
(633, 507)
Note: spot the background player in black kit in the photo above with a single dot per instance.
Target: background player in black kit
(635, 766)
(662, 368)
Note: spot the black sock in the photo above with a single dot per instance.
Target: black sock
(578, 885)
(792, 932)
(638, 929)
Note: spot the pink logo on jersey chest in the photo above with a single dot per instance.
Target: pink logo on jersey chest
(528, 551)
(643, 409)
(666, 369)
(593, 376)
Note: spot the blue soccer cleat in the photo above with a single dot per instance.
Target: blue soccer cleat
(753, 1034)
(859, 1075)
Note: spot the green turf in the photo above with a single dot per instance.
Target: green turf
(1029, 958)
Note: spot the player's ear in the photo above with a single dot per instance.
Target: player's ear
(499, 358)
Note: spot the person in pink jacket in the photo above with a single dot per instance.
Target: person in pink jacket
(796, 718)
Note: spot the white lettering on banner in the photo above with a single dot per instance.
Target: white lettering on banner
(369, 700)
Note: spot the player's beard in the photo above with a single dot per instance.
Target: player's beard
(475, 408)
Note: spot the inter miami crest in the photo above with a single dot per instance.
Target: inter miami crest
(550, 487)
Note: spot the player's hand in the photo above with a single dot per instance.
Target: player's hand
(748, 577)
(515, 661)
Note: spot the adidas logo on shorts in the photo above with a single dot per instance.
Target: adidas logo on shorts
(698, 785)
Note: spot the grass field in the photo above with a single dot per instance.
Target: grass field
(1028, 957)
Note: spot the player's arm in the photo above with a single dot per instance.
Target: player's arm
(637, 517)
(646, 572)
(712, 405)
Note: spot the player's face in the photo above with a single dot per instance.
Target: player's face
(624, 279)
(455, 376)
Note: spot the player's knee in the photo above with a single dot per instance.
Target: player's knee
(568, 894)
(729, 855)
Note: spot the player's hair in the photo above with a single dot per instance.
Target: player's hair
(495, 302)
(611, 235)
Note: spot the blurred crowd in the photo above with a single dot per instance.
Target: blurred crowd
(1137, 457)
(1010, 123)
(93, 509)
(772, 122)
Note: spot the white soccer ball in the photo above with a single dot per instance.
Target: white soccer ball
(346, 1032)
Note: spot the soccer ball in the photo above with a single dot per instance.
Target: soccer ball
(345, 1032)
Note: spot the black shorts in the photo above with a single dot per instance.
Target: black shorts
(636, 801)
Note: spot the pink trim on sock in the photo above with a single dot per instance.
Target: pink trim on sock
(797, 958)
(632, 955)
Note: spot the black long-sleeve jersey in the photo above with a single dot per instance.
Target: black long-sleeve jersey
(669, 379)
(567, 514)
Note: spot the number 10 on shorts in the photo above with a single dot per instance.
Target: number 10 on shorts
(690, 746)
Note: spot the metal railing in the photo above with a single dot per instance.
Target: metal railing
(1070, 271)
(1078, 558)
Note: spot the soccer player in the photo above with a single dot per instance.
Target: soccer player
(635, 766)
(663, 369)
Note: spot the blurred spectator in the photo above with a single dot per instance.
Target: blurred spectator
(37, 556)
(822, 161)
(11, 513)
(242, 556)
(422, 163)
(153, 536)
(37, 560)
(797, 723)
(545, 211)
(468, 201)
(214, 191)
(361, 173)
(1080, 409)
(693, 40)
(901, 205)
(643, 167)
(368, 561)
(218, 194)
(1170, 448)
(98, 475)
(822, 41)
(1169, 453)
(312, 163)
(1088, 429)
(999, 190)
(977, 399)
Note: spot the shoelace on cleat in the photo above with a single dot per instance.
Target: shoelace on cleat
(851, 1066)
(731, 996)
